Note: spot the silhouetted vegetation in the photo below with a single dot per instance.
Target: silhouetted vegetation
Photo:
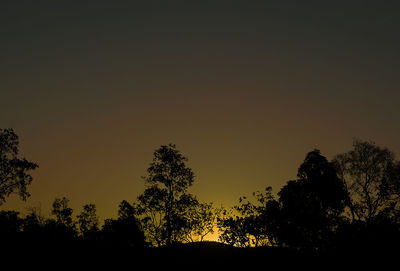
(14, 176)
(124, 231)
(311, 206)
(347, 206)
(165, 197)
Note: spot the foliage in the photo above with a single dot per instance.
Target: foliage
(307, 213)
(14, 176)
(88, 221)
(190, 219)
(248, 224)
(34, 226)
(10, 223)
(311, 206)
(167, 181)
(193, 220)
(150, 210)
(63, 227)
(202, 218)
(63, 212)
(232, 230)
(371, 175)
(124, 231)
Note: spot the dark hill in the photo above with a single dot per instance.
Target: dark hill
(198, 255)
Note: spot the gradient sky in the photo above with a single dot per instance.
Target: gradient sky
(243, 88)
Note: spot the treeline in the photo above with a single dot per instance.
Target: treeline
(63, 230)
(349, 204)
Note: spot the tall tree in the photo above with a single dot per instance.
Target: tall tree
(311, 206)
(14, 176)
(168, 179)
(371, 175)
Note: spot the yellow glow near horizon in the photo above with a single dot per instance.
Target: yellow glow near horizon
(242, 95)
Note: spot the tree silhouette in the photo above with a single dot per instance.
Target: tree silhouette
(192, 220)
(233, 230)
(88, 221)
(311, 206)
(14, 176)
(249, 223)
(371, 176)
(185, 220)
(393, 188)
(34, 227)
(63, 227)
(10, 227)
(182, 221)
(201, 219)
(62, 211)
(167, 178)
(124, 231)
(150, 209)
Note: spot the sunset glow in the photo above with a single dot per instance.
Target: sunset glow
(243, 90)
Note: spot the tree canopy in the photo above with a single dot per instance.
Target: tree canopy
(371, 175)
(168, 178)
(312, 204)
(14, 171)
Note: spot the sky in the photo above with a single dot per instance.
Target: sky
(243, 88)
